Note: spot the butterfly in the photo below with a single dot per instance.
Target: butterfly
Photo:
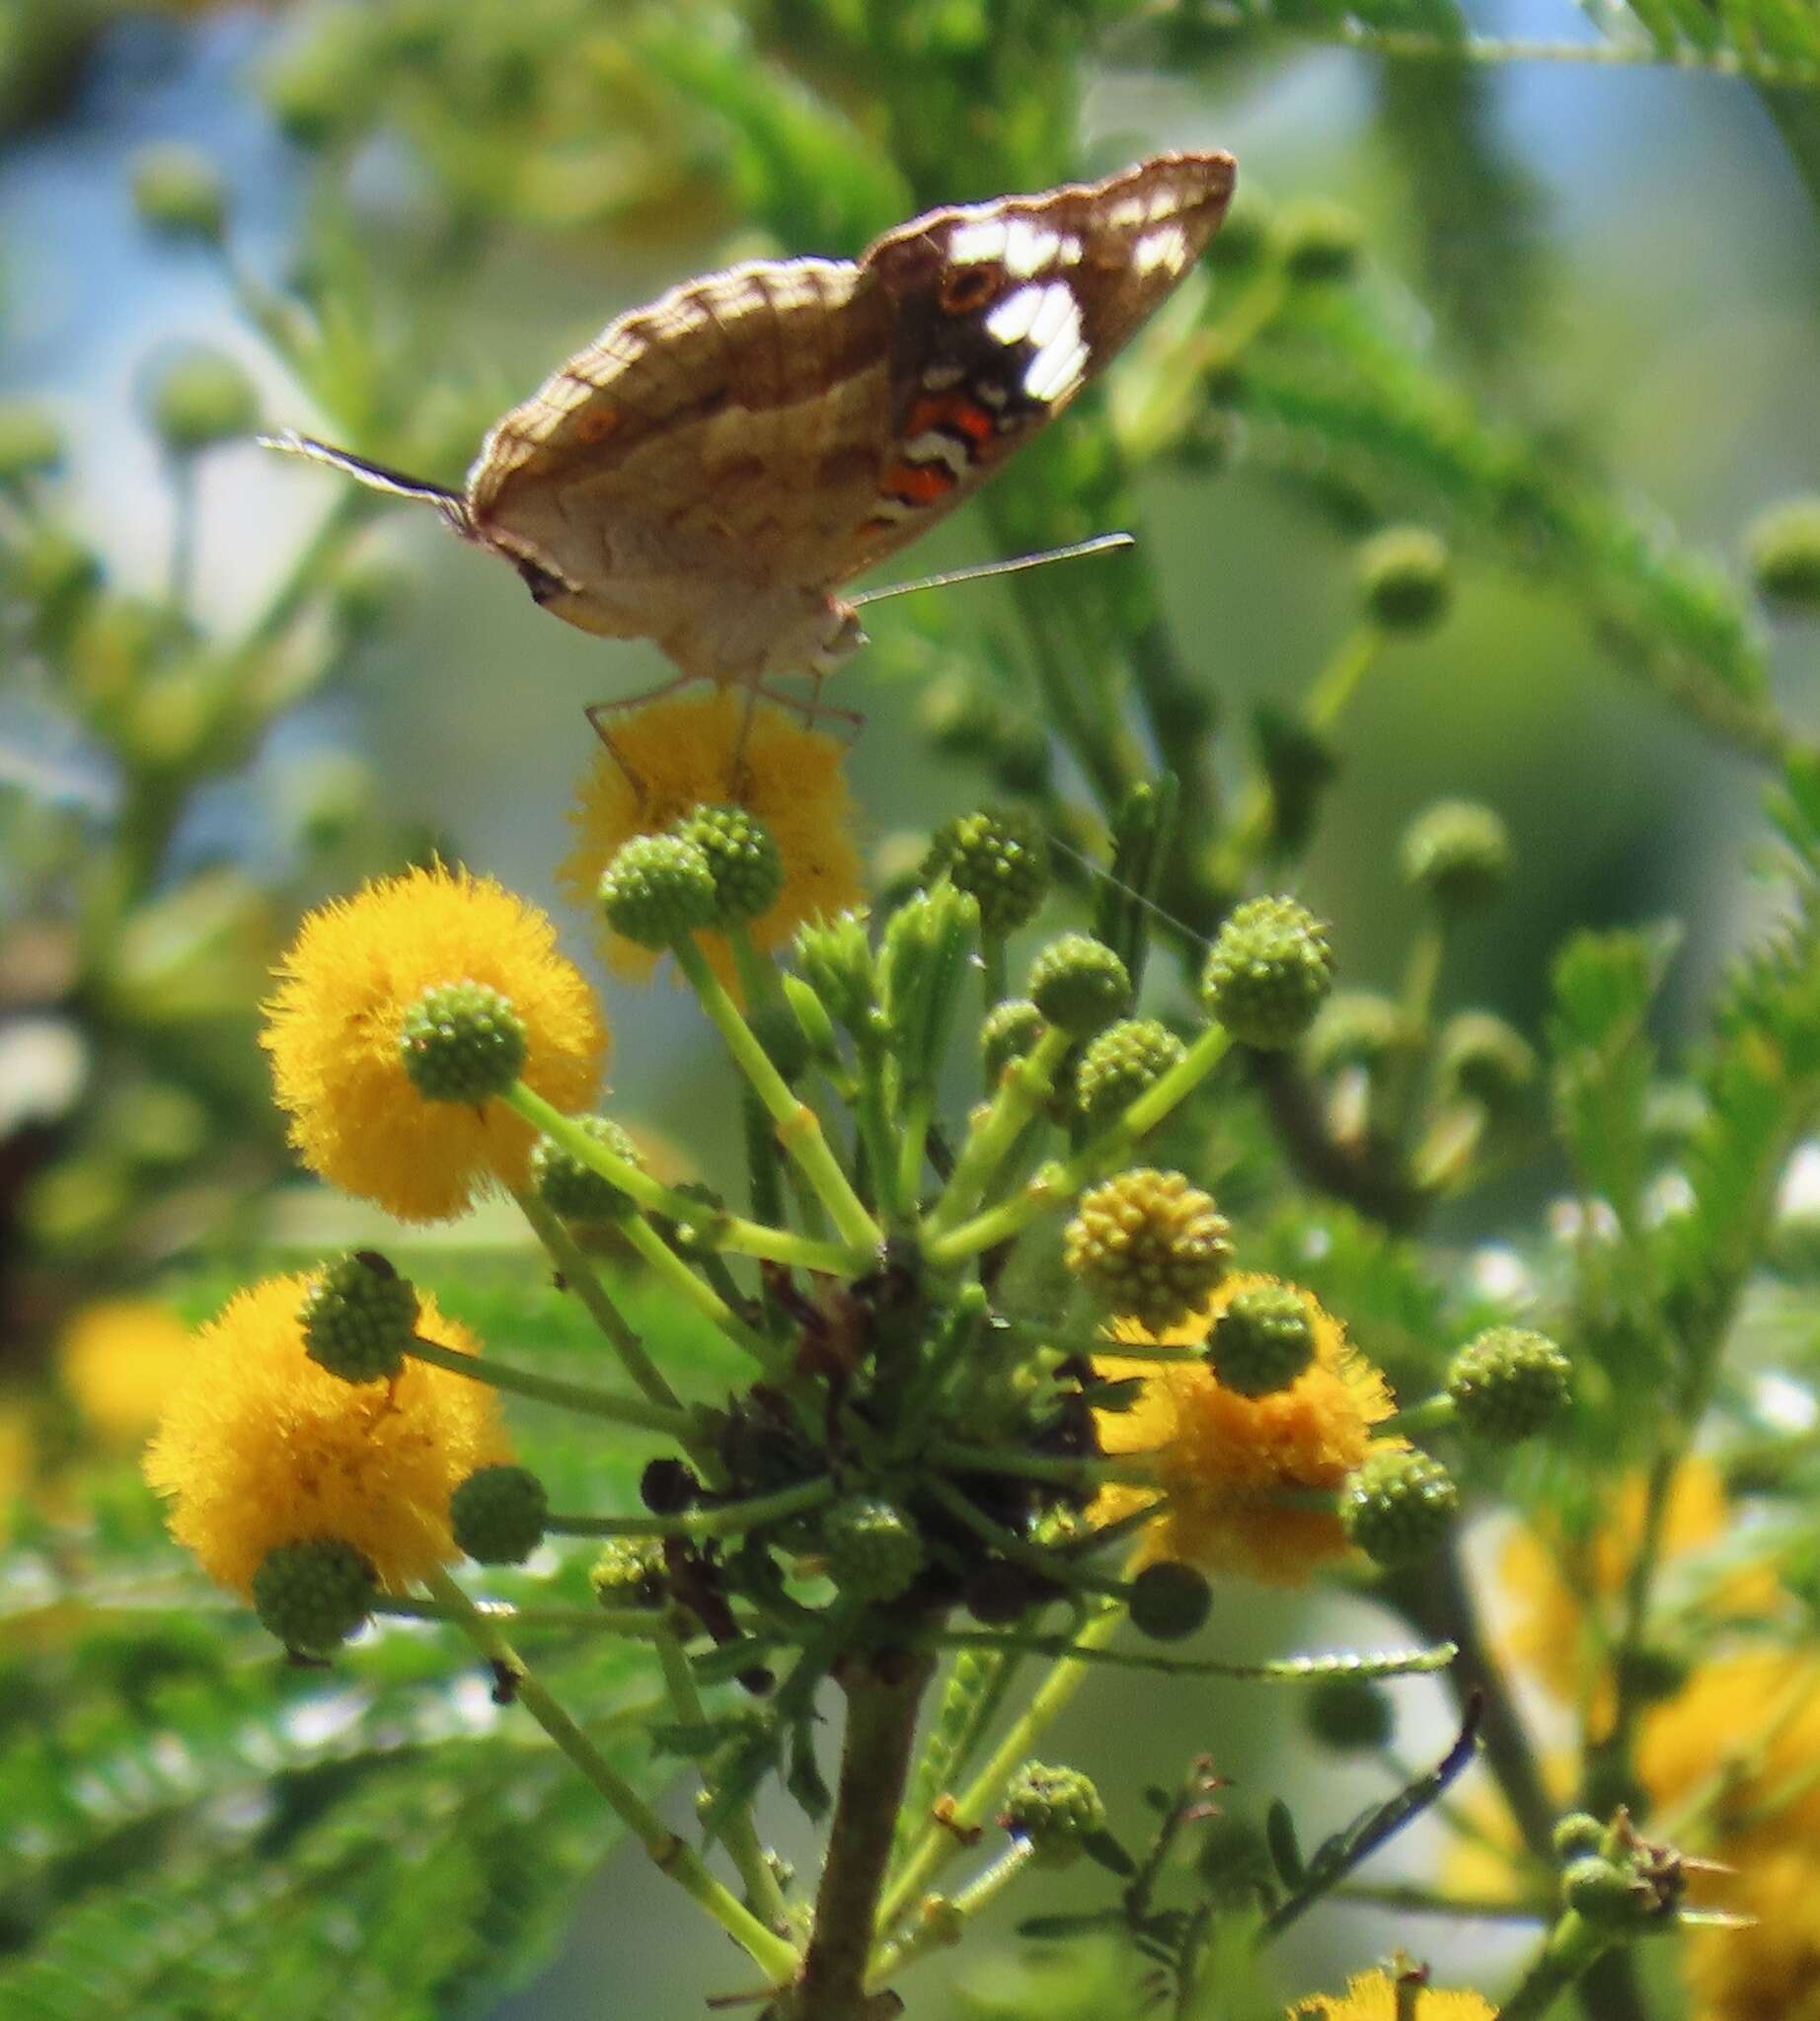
(713, 468)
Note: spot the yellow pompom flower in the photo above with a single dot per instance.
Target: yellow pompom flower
(353, 971)
(1372, 1996)
(1742, 1739)
(678, 754)
(258, 1447)
(1228, 1463)
(118, 1358)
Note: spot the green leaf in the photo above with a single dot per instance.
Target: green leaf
(1280, 1837)
(1104, 1850)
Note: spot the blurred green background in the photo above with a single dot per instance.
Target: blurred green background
(1623, 261)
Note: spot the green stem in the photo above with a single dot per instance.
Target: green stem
(876, 1134)
(1567, 1951)
(797, 1128)
(992, 968)
(738, 1834)
(1415, 1005)
(1024, 1089)
(939, 1841)
(915, 1112)
(713, 1225)
(758, 978)
(937, 1932)
(724, 1519)
(637, 1623)
(585, 1397)
(1057, 1184)
(578, 1276)
(672, 1856)
(671, 1269)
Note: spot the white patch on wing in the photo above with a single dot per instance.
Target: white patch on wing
(1028, 248)
(1010, 322)
(1071, 250)
(978, 238)
(1056, 314)
(1166, 246)
(1057, 371)
(1128, 210)
(1165, 202)
(932, 446)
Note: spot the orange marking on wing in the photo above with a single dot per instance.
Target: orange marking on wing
(954, 410)
(921, 483)
(595, 423)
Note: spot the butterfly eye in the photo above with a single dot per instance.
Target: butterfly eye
(539, 582)
(965, 288)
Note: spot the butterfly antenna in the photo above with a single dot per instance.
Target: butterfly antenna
(1100, 544)
(374, 476)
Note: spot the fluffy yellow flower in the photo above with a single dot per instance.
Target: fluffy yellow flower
(1372, 1996)
(1745, 1733)
(118, 1358)
(677, 754)
(1561, 1638)
(355, 970)
(259, 1447)
(1769, 1971)
(1226, 1462)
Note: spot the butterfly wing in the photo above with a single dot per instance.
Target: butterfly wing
(1002, 312)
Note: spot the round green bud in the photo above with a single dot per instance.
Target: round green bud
(1321, 239)
(1605, 1892)
(1080, 985)
(31, 442)
(835, 959)
(1009, 1031)
(1120, 1064)
(1400, 1505)
(1148, 1246)
(1056, 1808)
(1458, 854)
(321, 86)
(1354, 1028)
(1783, 546)
(462, 1042)
(1001, 855)
(314, 1595)
(1168, 1601)
(873, 1550)
(1653, 1672)
(1507, 1383)
(498, 1515)
(1406, 578)
(1269, 972)
(1234, 1860)
(359, 1318)
(1576, 1834)
(631, 1572)
(657, 890)
(199, 399)
(1263, 1340)
(177, 190)
(1482, 1058)
(575, 1190)
(54, 574)
(743, 857)
(1349, 1715)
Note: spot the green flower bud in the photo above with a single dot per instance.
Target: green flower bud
(1120, 1064)
(1576, 1834)
(1354, 1028)
(54, 574)
(1406, 578)
(1148, 1246)
(179, 190)
(1606, 1892)
(199, 399)
(575, 1190)
(631, 1572)
(1269, 972)
(462, 1042)
(1002, 856)
(1168, 1601)
(835, 959)
(1080, 985)
(1056, 1808)
(1400, 1505)
(1508, 1382)
(657, 890)
(743, 857)
(359, 1318)
(31, 442)
(321, 88)
(498, 1515)
(1350, 1716)
(314, 1595)
(1483, 1060)
(1458, 854)
(1783, 546)
(1321, 239)
(1653, 1672)
(1263, 1340)
(873, 1550)
(1009, 1032)
(1234, 1861)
